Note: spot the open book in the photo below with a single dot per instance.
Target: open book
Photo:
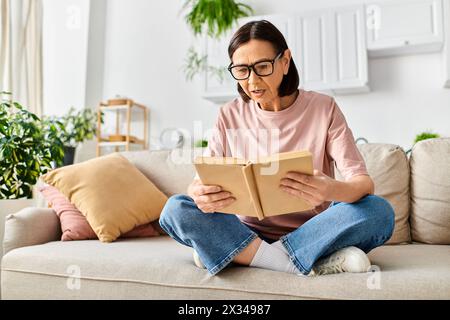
(256, 185)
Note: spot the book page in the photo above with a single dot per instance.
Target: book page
(268, 173)
(231, 178)
(284, 156)
(220, 160)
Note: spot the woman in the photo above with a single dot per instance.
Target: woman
(348, 220)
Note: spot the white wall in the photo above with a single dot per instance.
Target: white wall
(65, 43)
(95, 53)
(146, 43)
(406, 98)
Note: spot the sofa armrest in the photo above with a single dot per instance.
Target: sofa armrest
(30, 226)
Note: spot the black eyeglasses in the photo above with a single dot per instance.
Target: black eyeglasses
(262, 68)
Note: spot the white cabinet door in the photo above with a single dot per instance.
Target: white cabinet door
(351, 57)
(331, 50)
(404, 26)
(328, 48)
(225, 89)
(218, 88)
(312, 50)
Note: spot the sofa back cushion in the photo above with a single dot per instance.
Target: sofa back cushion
(171, 171)
(388, 167)
(430, 191)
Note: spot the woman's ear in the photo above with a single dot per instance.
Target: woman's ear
(286, 61)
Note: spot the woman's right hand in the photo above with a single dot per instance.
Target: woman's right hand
(209, 198)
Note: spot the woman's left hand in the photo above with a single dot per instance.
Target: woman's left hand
(315, 189)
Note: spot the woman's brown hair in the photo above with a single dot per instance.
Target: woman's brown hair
(264, 30)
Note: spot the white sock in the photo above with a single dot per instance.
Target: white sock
(279, 245)
(272, 258)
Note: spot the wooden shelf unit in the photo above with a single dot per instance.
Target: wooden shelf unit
(128, 109)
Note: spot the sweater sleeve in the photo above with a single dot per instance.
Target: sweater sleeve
(216, 141)
(342, 148)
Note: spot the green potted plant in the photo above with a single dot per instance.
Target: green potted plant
(75, 127)
(194, 63)
(215, 17)
(201, 144)
(423, 136)
(29, 148)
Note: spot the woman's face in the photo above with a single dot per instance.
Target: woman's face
(263, 90)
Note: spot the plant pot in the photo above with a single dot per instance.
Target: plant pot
(69, 155)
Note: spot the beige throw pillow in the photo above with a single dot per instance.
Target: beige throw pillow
(388, 167)
(113, 194)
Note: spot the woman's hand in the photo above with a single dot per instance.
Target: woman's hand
(315, 189)
(209, 198)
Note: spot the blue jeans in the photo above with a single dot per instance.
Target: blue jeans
(219, 237)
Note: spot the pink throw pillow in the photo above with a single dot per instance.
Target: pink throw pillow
(74, 224)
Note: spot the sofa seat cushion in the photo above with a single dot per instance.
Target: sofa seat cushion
(161, 268)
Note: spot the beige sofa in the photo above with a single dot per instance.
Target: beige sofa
(38, 266)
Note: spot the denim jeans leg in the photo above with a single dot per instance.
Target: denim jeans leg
(217, 237)
(366, 224)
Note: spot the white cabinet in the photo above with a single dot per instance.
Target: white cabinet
(218, 89)
(404, 26)
(311, 50)
(330, 50)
